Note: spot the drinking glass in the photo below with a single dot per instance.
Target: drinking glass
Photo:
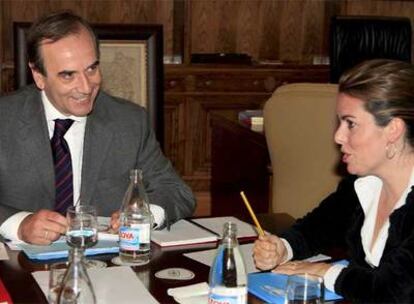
(56, 274)
(82, 230)
(304, 289)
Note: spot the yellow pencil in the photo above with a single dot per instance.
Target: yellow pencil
(246, 202)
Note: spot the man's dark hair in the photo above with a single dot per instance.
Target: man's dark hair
(54, 27)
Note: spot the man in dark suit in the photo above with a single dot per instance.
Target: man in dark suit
(106, 138)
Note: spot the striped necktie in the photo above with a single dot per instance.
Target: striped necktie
(63, 166)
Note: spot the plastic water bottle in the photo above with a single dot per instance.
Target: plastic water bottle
(136, 222)
(228, 280)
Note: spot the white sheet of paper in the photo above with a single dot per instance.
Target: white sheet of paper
(3, 252)
(206, 257)
(111, 285)
(190, 294)
(215, 224)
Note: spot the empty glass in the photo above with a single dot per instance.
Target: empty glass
(76, 285)
(304, 289)
(56, 274)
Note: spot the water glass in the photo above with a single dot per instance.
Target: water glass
(56, 274)
(304, 289)
(82, 226)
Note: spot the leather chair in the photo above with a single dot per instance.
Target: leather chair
(299, 122)
(354, 39)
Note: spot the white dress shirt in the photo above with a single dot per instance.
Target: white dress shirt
(74, 138)
(368, 190)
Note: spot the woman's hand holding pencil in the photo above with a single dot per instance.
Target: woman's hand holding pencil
(269, 251)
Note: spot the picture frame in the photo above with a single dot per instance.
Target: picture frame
(123, 66)
(147, 64)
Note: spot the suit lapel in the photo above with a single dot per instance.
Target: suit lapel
(98, 136)
(33, 132)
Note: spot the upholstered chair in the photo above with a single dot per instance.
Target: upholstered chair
(299, 122)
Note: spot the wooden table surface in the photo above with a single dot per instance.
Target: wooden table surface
(16, 273)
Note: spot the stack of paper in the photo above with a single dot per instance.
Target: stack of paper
(182, 232)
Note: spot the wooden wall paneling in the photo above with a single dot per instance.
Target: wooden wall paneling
(249, 27)
(313, 26)
(227, 33)
(174, 130)
(331, 8)
(179, 18)
(187, 32)
(204, 26)
(199, 144)
(269, 42)
(231, 26)
(108, 11)
(291, 38)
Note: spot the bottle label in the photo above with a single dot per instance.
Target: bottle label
(144, 232)
(228, 296)
(131, 237)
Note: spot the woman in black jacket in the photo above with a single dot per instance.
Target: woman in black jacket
(372, 211)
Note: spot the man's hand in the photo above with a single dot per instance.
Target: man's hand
(115, 221)
(268, 252)
(42, 227)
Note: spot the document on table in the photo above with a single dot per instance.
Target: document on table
(59, 249)
(215, 224)
(270, 287)
(182, 232)
(111, 285)
(206, 257)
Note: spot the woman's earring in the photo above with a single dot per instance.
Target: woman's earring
(390, 151)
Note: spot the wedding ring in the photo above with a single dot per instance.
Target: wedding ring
(46, 234)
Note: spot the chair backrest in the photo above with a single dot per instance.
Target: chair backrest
(300, 122)
(354, 39)
(131, 63)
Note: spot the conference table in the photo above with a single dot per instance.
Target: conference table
(22, 287)
(16, 273)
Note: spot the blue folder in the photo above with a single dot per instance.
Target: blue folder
(270, 286)
(59, 249)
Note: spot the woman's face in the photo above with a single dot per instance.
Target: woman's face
(362, 142)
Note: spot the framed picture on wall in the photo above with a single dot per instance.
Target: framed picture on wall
(123, 66)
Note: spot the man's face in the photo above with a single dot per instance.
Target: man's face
(73, 78)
